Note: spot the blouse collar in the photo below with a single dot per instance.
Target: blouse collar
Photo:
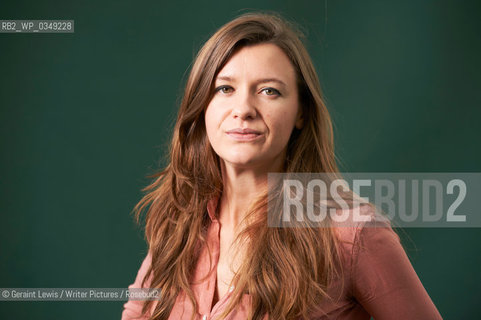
(211, 208)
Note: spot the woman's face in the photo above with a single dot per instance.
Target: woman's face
(255, 107)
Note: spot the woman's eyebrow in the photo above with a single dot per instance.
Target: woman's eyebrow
(264, 80)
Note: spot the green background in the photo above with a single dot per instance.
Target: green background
(84, 117)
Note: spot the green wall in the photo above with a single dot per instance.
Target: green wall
(84, 117)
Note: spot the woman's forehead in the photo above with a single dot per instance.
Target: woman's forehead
(258, 62)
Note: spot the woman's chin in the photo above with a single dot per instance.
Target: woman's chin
(243, 162)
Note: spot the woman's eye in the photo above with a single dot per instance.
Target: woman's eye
(271, 92)
(223, 89)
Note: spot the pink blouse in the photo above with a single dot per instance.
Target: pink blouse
(379, 280)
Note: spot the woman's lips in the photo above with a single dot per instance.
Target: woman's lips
(244, 134)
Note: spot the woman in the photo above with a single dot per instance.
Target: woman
(253, 105)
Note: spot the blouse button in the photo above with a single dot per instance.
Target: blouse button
(204, 317)
(231, 289)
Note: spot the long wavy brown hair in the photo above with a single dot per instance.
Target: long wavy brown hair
(286, 271)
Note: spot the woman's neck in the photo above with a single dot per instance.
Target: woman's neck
(240, 188)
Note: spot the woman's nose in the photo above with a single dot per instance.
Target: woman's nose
(244, 106)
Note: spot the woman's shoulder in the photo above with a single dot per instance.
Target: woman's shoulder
(381, 277)
(363, 230)
(350, 224)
